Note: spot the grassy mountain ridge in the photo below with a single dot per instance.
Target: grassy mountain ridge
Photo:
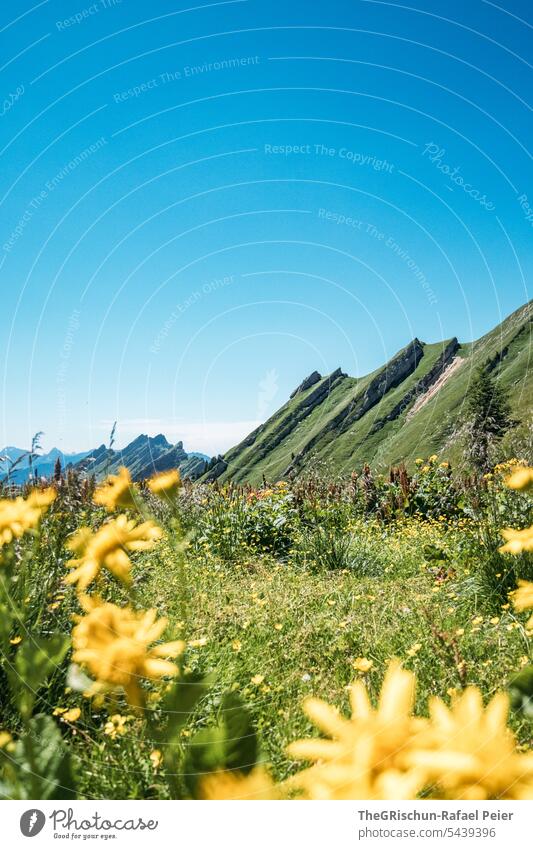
(410, 407)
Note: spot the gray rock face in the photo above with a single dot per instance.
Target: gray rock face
(216, 471)
(421, 386)
(313, 378)
(402, 365)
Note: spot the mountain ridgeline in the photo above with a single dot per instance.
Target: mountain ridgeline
(412, 406)
(145, 456)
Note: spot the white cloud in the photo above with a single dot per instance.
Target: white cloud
(207, 437)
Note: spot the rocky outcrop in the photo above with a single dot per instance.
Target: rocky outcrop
(174, 458)
(310, 381)
(420, 386)
(218, 469)
(400, 367)
(286, 424)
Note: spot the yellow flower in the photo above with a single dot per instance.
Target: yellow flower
(116, 725)
(365, 757)
(433, 458)
(517, 541)
(114, 644)
(414, 649)
(236, 645)
(223, 784)
(257, 679)
(71, 715)
(522, 599)
(469, 753)
(165, 484)
(419, 461)
(108, 547)
(521, 479)
(362, 664)
(156, 758)
(5, 738)
(19, 515)
(198, 644)
(116, 491)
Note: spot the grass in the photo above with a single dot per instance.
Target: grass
(302, 630)
(282, 591)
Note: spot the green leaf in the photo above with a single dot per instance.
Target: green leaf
(521, 692)
(36, 659)
(241, 739)
(5, 627)
(180, 702)
(230, 745)
(40, 766)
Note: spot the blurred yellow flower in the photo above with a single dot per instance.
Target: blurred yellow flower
(414, 649)
(115, 645)
(108, 547)
(522, 599)
(71, 715)
(19, 515)
(362, 664)
(257, 785)
(469, 753)
(521, 479)
(156, 758)
(165, 484)
(257, 679)
(198, 644)
(116, 725)
(5, 739)
(517, 541)
(116, 491)
(365, 755)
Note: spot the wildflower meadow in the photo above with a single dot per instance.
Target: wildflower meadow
(367, 638)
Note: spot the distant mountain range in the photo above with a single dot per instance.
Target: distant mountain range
(409, 408)
(143, 457)
(43, 465)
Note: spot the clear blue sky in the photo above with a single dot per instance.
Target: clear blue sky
(204, 202)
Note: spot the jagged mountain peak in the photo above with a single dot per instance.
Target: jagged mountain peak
(143, 456)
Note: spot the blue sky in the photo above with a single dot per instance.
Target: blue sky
(204, 203)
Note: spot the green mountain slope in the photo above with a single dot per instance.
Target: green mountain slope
(411, 407)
